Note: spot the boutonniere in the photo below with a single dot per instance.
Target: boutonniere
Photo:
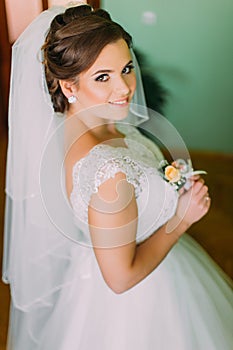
(178, 173)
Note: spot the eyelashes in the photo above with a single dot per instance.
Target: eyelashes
(102, 78)
(105, 76)
(127, 69)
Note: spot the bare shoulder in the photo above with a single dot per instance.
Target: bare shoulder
(78, 150)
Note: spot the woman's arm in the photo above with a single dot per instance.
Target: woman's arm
(113, 226)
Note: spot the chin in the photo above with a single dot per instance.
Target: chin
(118, 112)
(111, 111)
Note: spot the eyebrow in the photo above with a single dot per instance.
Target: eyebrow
(109, 70)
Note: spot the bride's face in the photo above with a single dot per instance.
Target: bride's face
(110, 80)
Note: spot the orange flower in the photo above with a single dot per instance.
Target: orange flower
(172, 174)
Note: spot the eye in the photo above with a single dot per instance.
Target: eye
(127, 69)
(102, 78)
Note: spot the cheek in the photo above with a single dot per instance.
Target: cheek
(94, 92)
(132, 83)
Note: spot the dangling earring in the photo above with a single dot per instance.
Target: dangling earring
(72, 99)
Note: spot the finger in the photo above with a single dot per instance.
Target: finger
(202, 193)
(197, 186)
(206, 202)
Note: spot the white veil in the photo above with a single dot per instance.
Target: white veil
(36, 254)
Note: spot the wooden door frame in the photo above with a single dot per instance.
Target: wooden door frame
(5, 59)
(44, 4)
(94, 3)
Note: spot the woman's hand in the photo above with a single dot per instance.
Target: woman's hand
(194, 203)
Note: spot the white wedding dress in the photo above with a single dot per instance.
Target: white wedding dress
(184, 304)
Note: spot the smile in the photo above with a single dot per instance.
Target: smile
(120, 102)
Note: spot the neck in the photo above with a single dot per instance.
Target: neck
(99, 127)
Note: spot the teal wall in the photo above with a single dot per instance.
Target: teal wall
(190, 49)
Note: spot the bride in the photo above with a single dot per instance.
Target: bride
(95, 246)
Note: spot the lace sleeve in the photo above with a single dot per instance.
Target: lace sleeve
(102, 163)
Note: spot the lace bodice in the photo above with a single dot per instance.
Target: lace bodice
(156, 199)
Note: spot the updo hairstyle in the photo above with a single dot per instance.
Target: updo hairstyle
(73, 43)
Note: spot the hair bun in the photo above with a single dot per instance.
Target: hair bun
(103, 13)
(75, 12)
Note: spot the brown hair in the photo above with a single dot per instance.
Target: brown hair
(73, 43)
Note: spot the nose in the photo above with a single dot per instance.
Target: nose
(122, 87)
